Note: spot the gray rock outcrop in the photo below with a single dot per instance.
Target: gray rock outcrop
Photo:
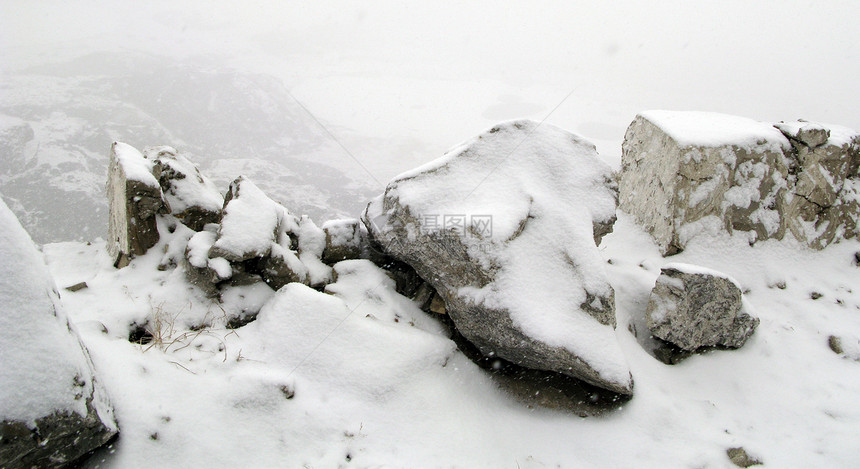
(684, 173)
(53, 409)
(503, 227)
(134, 197)
(692, 308)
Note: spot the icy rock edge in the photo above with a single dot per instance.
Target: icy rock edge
(504, 227)
(53, 409)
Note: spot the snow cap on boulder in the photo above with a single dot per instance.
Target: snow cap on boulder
(504, 227)
(52, 407)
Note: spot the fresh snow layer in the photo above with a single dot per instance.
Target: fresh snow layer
(841, 135)
(711, 129)
(198, 248)
(134, 165)
(492, 178)
(44, 366)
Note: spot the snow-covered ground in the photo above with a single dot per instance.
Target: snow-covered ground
(360, 377)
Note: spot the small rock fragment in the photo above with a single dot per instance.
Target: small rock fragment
(77, 287)
(741, 458)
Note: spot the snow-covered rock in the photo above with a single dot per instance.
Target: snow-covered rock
(283, 266)
(684, 173)
(504, 227)
(249, 225)
(693, 307)
(257, 240)
(52, 407)
(342, 240)
(134, 196)
(191, 197)
(807, 133)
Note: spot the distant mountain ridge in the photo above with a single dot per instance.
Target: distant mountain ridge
(57, 123)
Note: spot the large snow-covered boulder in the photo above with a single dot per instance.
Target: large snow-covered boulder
(684, 172)
(504, 227)
(52, 407)
(134, 197)
(191, 197)
(693, 307)
(688, 172)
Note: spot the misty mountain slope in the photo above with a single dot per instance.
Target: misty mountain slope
(57, 123)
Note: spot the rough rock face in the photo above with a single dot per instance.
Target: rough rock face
(693, 307)
(686, 172)
(683, 172)
(739, 457)
(53, 410)
(134, 196)
(824, 205)
(504, 228)
(191, 197)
